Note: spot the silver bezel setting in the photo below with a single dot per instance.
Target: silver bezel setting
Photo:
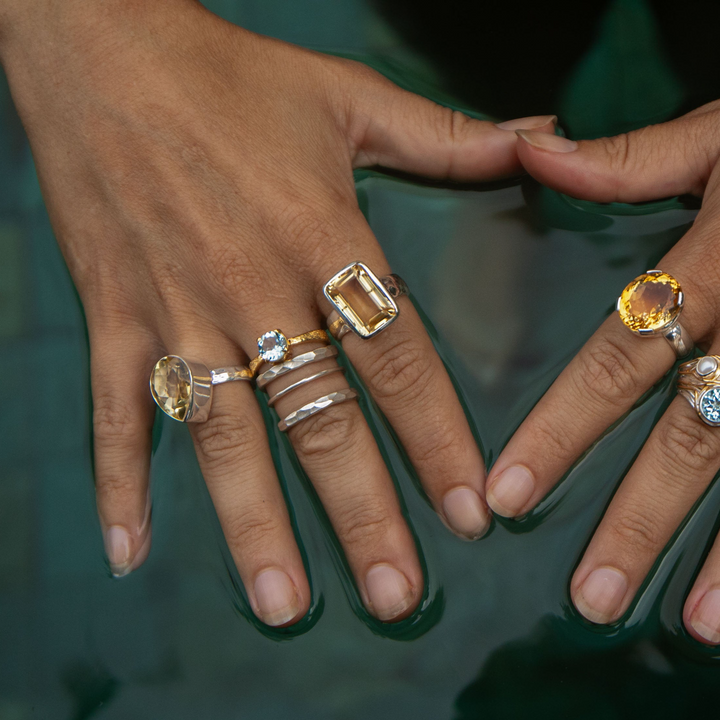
(379, 286)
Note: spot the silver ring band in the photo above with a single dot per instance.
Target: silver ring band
(680, 340)
(276, 371)
(381, 295)
(302, 382)
(183, 389)
(230, 374)
(315, 407)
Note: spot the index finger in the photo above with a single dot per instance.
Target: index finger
(603, 382)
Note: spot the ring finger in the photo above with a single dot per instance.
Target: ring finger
(676, 465)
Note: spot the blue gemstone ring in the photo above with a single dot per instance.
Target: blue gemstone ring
(699, 383)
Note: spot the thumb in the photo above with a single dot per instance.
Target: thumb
(400, 130)
(674, 158)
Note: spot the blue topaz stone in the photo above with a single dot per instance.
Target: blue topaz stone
(709, 406)
(273, 346)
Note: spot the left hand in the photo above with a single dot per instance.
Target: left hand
(614, 368)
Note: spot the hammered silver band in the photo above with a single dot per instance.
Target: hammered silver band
(315, 407)
(304, 381)
(230, 374)
(276, 371)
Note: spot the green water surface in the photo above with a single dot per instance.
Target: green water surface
(513, 279)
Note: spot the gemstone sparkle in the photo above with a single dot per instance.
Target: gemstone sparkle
(710, 405)
(650, 303)
(171, 386)
(273, 346)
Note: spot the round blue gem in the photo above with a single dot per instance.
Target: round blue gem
(710, 405)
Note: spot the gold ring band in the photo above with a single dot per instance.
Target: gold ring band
(699, 383)
(274, 346)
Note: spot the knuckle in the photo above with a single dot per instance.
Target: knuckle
(255, 527)
(308, 228)
(401, 370)
(443, 449)
(452, 129)
(233, 271)
(618, 149)
(222, 438)
(609, 372)
(111, 425)
(550, 433)
(116, 484)
(687, 444)
(365, 523)
(322, 436)
(638, 530)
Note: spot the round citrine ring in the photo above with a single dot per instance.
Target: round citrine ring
(650, 306)
(183, 389)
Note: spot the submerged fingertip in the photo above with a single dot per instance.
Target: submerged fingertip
(390, 593)
(277, 598)
(465, 513)
(511, 491)
(705, 617)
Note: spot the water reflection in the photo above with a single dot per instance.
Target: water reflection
(513, 279)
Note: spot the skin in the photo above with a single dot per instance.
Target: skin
(199, 180)
(615, 367)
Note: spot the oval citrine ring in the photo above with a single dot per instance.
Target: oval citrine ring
(650, 306)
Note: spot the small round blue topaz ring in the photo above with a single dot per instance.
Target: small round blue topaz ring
(699, 383)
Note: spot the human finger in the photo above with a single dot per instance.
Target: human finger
(673, 469)
(408, 380)
(340, 456)
(123, 415)
(398, 129)
(236, 462)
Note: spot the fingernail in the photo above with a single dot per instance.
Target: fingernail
(527, 123)
(509, 494)
(276, 597)
(118, 546)
(389, 592)
(465, 513)
(599, 598)
(706, 616)
(546, 141)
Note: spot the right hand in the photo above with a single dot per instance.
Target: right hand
(199, 181)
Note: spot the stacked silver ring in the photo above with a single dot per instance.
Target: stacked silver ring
(316, 406)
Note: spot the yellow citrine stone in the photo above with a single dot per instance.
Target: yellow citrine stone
(650, 303)
(171, 386)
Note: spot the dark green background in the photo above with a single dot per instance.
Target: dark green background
(514, 278)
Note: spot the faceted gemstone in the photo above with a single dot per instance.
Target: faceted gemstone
(171, 385)
(710, 405)
(273, 346)
(706, 365)
(650, 302)
(361, 299)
